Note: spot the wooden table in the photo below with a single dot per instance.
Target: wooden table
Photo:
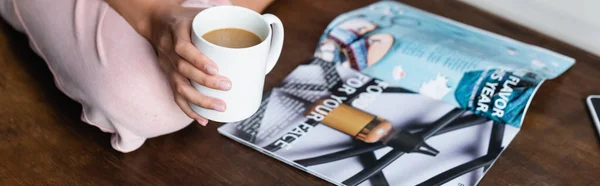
(43, 142)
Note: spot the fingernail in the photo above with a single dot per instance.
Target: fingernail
(224, 85)
(218, 107)
(211, 70)
(203, 122)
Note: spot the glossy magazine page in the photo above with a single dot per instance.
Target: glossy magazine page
(470, 68)
(351, 129)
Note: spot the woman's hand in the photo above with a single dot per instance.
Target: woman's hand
(169, 31)
(167, 25)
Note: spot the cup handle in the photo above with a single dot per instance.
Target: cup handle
(276, 41)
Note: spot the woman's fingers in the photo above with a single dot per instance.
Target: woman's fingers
(191, 63)
(188, 110)
(179, 100)
(211, 81)
(183, 47)
(188, 52)
(181, 90)
(189, 93)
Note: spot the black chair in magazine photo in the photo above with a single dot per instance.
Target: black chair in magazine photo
(375, 133)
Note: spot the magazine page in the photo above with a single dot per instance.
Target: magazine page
(351, 129)
(470, 68)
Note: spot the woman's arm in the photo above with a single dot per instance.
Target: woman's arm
(138, 12)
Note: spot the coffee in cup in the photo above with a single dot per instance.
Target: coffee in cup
(232, 38)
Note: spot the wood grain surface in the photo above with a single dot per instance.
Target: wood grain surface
(43, 141)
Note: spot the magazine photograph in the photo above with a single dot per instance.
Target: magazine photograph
(350, 129)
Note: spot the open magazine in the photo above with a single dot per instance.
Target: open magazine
(399, 96)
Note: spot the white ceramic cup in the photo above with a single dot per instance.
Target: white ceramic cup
(245, 67)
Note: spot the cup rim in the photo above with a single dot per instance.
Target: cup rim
(199, 37)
